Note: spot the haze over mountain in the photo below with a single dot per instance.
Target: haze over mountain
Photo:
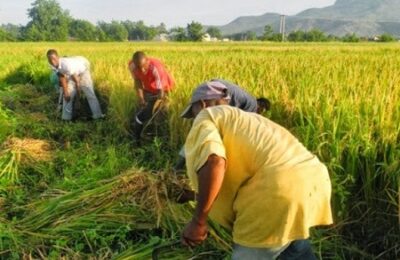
(363, 17)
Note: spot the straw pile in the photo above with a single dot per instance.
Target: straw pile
(133, 194)
(137, 201)
(17, 152)
(29, 150)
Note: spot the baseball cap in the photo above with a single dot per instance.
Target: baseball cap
(206, 91)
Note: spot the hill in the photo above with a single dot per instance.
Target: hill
(363, 17)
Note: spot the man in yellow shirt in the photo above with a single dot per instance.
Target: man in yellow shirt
(253, 177)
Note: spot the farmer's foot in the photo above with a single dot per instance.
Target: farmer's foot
(102, 116)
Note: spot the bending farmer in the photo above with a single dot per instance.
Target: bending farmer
(74, 76)
(253, 177)
(238, 98)
(152, 84)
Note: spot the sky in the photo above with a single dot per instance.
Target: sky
(171, 12)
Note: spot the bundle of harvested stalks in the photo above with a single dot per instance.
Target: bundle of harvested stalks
(132, 194)
(26, 152)
(29, 149)
(136, 201)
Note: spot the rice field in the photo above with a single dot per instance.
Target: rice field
(84, 190)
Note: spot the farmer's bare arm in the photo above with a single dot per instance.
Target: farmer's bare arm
(64, 86)
(75, 78)
(210, 177)
(139, 91)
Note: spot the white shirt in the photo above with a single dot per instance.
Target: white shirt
(72, 65)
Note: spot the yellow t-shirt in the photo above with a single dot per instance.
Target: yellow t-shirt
(274, 189)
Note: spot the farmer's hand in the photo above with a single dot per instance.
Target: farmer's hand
(142, 103)
(67, 97)
(161, 94)
(194, 233)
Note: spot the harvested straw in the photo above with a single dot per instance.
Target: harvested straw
(140, 200)
(132, 194)
(26, 152)
(29, 149)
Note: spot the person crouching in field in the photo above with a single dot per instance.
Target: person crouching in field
(238, 98)
(74, 76)
(152, 82)
(253, 177)
(243, 100)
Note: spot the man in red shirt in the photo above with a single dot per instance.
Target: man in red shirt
(152, 84)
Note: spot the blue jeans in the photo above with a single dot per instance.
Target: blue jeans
(296, 250)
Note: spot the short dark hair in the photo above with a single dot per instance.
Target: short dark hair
(138, 56)
(264, 103)
(51, 52)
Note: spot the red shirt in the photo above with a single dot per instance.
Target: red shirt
(155, 78)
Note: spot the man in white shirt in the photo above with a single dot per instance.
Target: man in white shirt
(74, 76)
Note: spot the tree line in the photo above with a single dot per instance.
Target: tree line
(49, 22)
(314, 35)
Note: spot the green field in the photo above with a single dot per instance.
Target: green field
(84, 190)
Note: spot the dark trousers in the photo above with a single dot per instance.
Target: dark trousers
(146, 112)
(298, 250)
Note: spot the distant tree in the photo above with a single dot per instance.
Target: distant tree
(214, 32)
(178, 34)
(332, 38)
(268, 33)
(150, 33)
(386, 37)
(101, 35)
(315, 35)
(161, 28)
(49, 22)
(6, 36)
(133, 33)
(237, 37)
(114, 31)
(250, 36)
(14, 31)
(195, 31)
(276, 37)
(296, 36)
(139, 31)
(82, 30)
(351, 38)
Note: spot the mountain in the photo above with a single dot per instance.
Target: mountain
(370, 10)
(363, 17)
